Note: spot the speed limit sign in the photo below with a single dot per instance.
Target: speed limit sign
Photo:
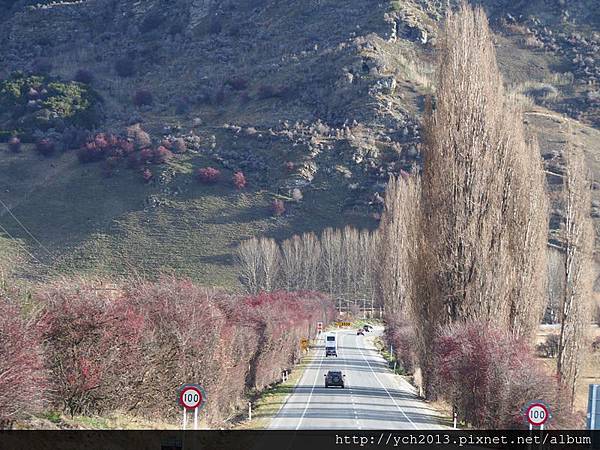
(191, 397)
(537, 414)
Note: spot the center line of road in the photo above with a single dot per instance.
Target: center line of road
(311, 392)
(352, 397)
(384, 388)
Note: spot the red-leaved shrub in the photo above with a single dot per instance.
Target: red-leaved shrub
(178, 145)
(208, 175)
(278, 207)
(90, 152)
(84, 76)
(147, 175)
(237, 83)
(93, 347)
(146, 155)
(130, 347)
(139, 137)
(162, 155)
(489, 375)
(402, 340)
(45, 147)
(14, 144)
(23, 385)
(143, 97)
(239, 180)
(102, 146)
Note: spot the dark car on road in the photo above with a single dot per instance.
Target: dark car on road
(367, 327)
(360, 331)
(334, 378)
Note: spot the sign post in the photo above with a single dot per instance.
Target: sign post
(319, 327)
(191, 397)
(593, 415)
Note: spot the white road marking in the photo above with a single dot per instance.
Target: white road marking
(384, 388)
(352, 397)
(311, 393)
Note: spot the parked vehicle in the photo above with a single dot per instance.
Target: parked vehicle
(334, 378)
(330, 345)
(360, 332)
(367, 327)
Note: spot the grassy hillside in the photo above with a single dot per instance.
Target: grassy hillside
(325, 98)
(120, 225)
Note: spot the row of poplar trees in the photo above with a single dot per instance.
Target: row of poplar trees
(466, 238)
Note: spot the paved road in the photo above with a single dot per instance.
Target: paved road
(374, 398)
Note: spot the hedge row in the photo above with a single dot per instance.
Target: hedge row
(129, 348)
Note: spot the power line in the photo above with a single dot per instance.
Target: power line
(20, 244)
(25, 228)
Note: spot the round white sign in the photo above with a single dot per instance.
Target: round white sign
(190, 397)
(537, 414)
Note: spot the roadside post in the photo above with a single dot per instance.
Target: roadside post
(191, 397)
(319, 328)
(593, 414)
(454, 417)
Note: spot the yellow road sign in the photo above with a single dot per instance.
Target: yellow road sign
(304, 344)
(343, 324)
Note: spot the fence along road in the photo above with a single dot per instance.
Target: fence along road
(374, 398)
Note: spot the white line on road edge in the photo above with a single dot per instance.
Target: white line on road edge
(311, 393)
(384, 388)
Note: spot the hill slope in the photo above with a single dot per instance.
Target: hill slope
(319, 96)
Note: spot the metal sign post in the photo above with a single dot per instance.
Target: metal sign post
(593, 414)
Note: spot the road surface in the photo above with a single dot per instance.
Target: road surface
(374, 398)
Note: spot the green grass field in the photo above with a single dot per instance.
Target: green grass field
(88, 224)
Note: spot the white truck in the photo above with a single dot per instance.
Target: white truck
(330, 345)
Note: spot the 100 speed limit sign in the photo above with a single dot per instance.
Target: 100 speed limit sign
(537, 414)
(191, 397)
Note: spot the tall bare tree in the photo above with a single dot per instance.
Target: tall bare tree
(311, 262)
(249, 262)
(399, 239)
(332, 262)
(259, 264)
(270, 264)
(484, 210)
(291, 262)
(556, 283)
(352, 264)
(527, 226)
(367, 244)
(578, 241)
